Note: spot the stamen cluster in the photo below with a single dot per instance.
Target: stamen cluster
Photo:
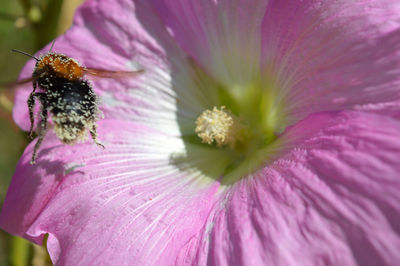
(218, 125)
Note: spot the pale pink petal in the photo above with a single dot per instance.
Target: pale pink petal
(332, 200)
(223, 36)
(100, 39)
(324, 55)
(125, 205)
(330, 55)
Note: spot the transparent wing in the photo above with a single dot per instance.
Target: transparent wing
(13, 84)
(112, 74)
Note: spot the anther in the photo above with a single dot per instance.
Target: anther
(218, 125)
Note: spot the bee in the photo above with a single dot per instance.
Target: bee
(59, 84)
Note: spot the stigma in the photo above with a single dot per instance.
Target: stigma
(218, 125)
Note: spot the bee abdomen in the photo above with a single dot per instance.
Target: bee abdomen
(71, 128)
(73, 106)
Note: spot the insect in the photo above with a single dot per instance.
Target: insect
(60, 86)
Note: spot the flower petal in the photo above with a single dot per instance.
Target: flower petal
(334, 55)
(128, 200)
(332, 200)
(110, 36)
(223, 36)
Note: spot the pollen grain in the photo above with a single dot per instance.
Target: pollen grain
(218, 125)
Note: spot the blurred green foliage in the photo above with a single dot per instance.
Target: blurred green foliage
(25, 25)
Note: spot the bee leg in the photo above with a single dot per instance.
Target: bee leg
(34, 84)
(42, 129)
(93, 133)
(31, 106)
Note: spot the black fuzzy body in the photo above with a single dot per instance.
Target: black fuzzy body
(69, 97)
(72, 105)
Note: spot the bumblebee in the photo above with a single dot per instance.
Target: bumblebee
(60, 86)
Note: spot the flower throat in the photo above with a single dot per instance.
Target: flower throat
(239, 130)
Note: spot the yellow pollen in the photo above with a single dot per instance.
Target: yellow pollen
(218, 125)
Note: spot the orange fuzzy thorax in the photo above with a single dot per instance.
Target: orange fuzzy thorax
(61, 65)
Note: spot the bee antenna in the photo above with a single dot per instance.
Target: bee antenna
(52, 44)
(24, 53)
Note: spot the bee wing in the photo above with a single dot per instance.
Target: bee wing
(15, 83)
(102, 73)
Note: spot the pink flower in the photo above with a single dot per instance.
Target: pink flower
(309, 175)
